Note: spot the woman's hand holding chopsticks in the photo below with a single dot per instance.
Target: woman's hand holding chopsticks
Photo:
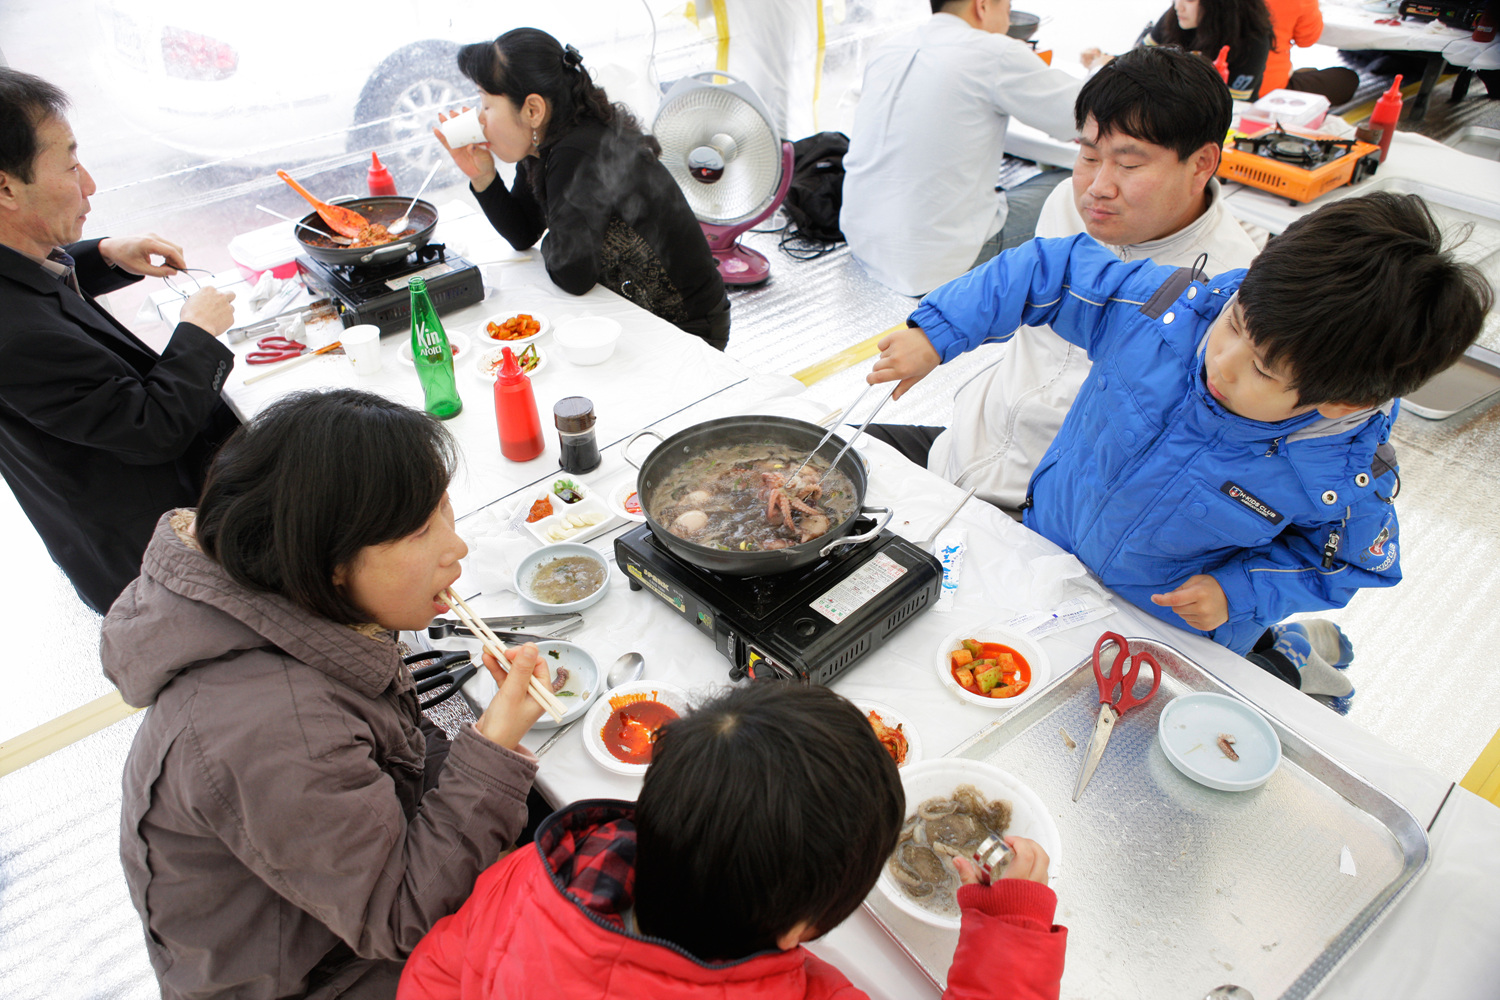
(513, 710)
(539, 687)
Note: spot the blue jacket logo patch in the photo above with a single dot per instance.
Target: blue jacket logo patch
(1251, 502)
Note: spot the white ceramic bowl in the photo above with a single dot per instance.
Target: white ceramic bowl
(1041, 666)
(589, 340)
(584, 684)
(941, 777)
(487, 366)
(458, 341)
(482, 334)
(893, 718)
(673, 697)
(620, 495)
(528, 567)
(1189, 731)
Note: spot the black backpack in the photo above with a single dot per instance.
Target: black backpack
(817, 190)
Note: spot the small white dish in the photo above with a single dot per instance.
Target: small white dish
(584, 684)
(557, 526)
(625, 502)
(930, 779)
(1189, 731)
(893, 718)
(487, 366)
(593, 738)
(528, 568)
(589, 340)
(482, 334)
(1035, 657)
(458, 341)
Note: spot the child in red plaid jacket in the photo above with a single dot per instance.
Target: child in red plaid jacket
(763, 821)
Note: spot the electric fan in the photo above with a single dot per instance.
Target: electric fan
(719, 145)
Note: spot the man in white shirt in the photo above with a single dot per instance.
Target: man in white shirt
(1151, 126)
(928, 137)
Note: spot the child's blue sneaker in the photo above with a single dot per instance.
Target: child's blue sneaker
(1315, 674)
(1326, 638)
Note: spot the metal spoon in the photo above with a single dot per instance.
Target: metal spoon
(626, 669)
(402, 224)
(302, 225)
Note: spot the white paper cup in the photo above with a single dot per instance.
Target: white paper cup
(362, 345)
(462, 129)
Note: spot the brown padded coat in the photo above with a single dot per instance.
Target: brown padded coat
(286, 831)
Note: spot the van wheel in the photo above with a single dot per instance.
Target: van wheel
(400, 103)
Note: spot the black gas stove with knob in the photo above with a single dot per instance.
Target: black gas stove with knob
(810, 624)
(376, 293)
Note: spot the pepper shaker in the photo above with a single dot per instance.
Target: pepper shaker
(574, 417)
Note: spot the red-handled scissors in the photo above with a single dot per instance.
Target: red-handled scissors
(1116, 697)
(273, 349)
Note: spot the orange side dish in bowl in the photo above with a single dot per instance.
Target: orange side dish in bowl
(630, 731)
(989, 669)
(516, 328)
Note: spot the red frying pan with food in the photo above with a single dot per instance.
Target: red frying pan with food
(340, 220)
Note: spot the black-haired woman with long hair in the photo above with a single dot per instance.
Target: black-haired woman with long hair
(284, 830)
(1206, 26)
(588, 176)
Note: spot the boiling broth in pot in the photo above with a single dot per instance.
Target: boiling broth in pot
(737, 498)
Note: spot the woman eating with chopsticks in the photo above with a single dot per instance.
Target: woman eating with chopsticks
(292, 825)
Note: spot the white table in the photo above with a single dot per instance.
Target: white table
(1439, 940)
(1351, 26)
(656, 369)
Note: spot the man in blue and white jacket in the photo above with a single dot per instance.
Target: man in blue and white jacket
(1225, 464)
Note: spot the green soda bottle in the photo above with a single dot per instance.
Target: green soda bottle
(432, 355)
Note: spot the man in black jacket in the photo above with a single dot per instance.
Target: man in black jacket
(99, 435)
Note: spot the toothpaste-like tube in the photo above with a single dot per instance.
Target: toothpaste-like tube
(951, 543)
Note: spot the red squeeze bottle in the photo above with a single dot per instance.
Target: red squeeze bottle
(379, 178)
(1222, 64)
(1387, 112)
(515, 412)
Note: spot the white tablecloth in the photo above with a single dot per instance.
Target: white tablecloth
(655, 370)
(1009, 570)
(1352, 26)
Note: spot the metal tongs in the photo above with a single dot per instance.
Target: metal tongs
(853, 438)
(556, 626)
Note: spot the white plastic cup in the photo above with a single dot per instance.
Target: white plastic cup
(462, 129)
(362, 345)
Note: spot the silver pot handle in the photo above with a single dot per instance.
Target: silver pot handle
(848, 540)
(386, 251)
(625, 450)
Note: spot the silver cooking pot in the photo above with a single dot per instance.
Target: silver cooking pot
(800, 436)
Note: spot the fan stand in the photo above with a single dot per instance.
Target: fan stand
(738, 264)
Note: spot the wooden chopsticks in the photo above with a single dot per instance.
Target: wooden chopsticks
(540, 691)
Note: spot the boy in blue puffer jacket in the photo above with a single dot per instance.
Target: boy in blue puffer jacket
(1225, 464)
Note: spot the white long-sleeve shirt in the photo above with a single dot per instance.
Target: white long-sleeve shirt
(928, 138)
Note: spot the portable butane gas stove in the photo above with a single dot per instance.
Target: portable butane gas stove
(808, 624)
(1295, 165)
(376, 293)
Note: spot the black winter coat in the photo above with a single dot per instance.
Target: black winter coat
(98, 435)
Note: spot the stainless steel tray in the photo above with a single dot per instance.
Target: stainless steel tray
(1170, 889)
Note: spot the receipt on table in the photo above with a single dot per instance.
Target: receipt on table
(1069, 614)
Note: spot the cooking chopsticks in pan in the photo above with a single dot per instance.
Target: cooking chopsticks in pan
(541, 692)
